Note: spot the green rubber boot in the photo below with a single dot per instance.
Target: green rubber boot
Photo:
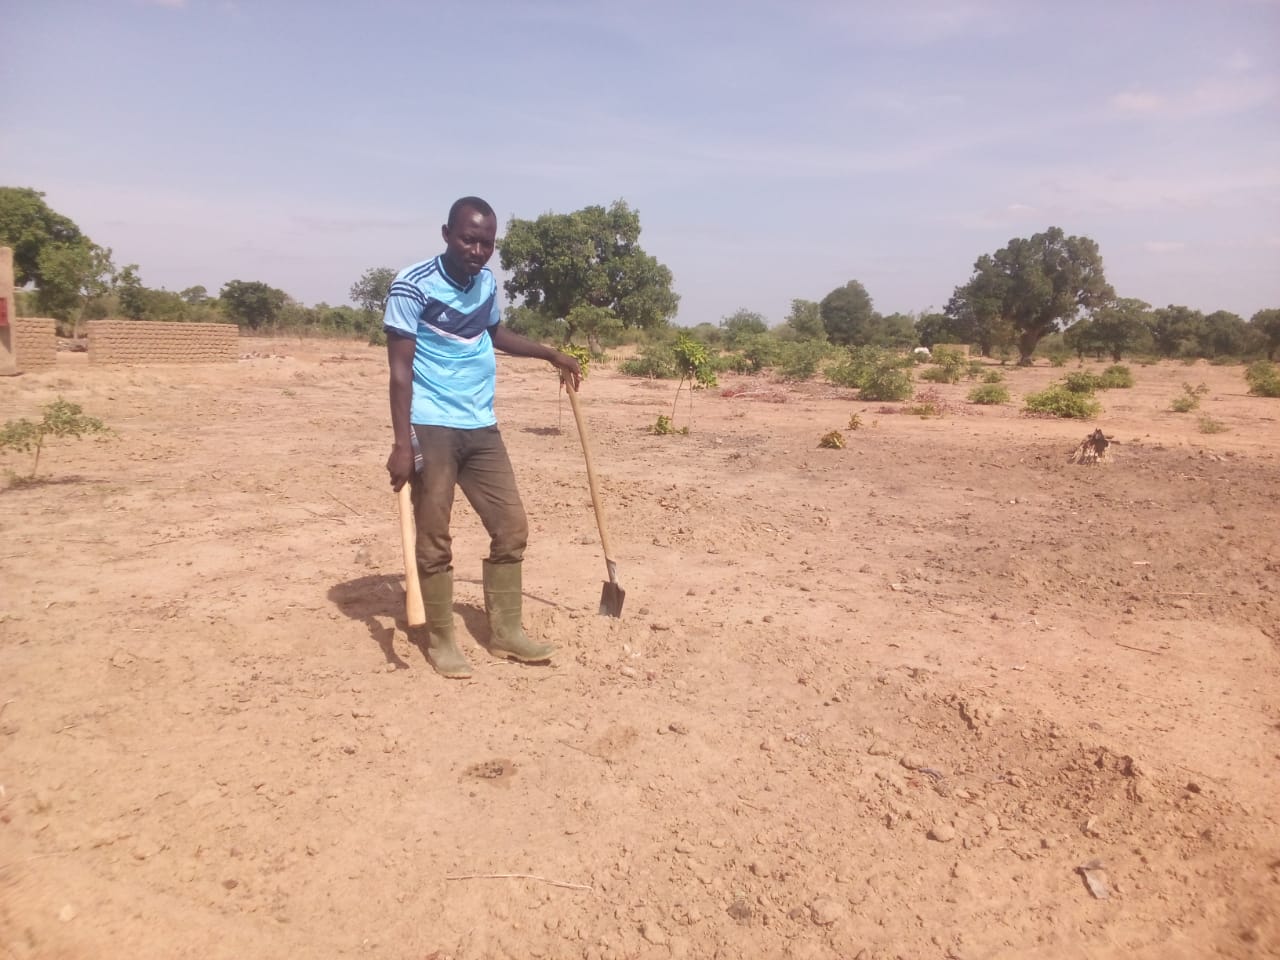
(503, 601)
(442, 653)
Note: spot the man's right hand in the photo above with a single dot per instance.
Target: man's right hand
(400, 465)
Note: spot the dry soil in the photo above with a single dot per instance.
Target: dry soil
(879, 702)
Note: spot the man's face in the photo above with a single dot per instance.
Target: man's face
(469, 242)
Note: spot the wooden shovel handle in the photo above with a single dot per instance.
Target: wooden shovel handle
(414, 610)
(591, 477)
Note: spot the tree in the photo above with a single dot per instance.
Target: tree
(895, 330)
(369, 293)
(1225, 335)
(251, 303)
(591, 257)
(1177, 331)
(598, 323)
(804, 322)
(1121, 326)
(848, 315)
(130, 293)
(49, 251)
(1036, 286)
(195, 295)
(742, 325)
(1267, 323)
(61, 419)
(974, 311)
(934, 328)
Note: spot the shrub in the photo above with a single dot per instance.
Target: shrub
(951, 360)
(974, 370)
(855, 422)
(1080, 381)
(664, 427)
(760, 351)
(940, 375)
(882, 384)
(989, 393)
(1189, 399)
(832, 441)
(927, 403)
(656, 361)
(1117, 376)
(1058, 401)
(876, 373)
(799, 360)
(993, 376)
(1210, 425)
(1263, 378)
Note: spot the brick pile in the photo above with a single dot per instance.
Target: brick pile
(148, 341)
(35, 342)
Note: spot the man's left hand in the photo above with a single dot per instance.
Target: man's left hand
(570, 369)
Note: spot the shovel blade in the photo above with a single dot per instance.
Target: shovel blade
(611, 597)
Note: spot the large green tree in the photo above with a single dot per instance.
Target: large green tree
(1225, 335)
(848, 315)
(1036, 285)
(1120, 327)
(591, 257)
(1267, 323)
(49, 251)
(1177, 331)
(253, 304)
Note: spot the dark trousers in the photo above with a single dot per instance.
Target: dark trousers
(476, 461)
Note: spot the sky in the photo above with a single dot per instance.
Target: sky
(773, 150)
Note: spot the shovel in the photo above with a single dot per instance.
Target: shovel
(612, 594)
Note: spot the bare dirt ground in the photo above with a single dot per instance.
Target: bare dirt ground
(880, 702)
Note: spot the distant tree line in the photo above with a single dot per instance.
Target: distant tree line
(583, 275)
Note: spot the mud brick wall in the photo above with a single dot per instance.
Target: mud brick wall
(35, 342)
(147, 341)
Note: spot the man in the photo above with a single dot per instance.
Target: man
(443, 324)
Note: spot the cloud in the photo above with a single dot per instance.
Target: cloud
(1216, 96)
(1164, 246)
(1138, 101)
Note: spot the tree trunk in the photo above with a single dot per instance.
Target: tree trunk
(1027, 346)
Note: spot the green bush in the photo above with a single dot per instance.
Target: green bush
(877, 374)
(891, 383)
(1057, 401)
(993, 376)
(940, 375)
(1080, 381)
(948, 366)
(1188, 399)
(989, 393)
(656, 361)
(1263, 378)
(974, 370)
(758, 352)
(1116, 377)
(799, 360)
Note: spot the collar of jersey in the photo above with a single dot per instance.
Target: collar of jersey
(452, 282)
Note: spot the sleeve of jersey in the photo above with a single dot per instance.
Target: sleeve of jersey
(404, 308)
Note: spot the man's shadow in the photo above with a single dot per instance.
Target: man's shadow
(374, 598)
